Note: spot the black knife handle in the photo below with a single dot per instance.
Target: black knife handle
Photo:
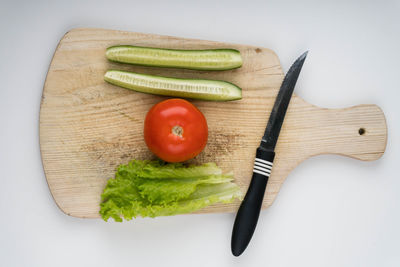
(249, 210)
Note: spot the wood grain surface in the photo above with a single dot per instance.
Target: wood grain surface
(89, 127)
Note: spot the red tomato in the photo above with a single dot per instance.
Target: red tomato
(175, 130)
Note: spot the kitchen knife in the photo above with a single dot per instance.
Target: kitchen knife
(249, 210)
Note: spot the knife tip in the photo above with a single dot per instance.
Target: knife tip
(304, 55)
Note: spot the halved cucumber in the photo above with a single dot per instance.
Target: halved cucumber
(186, 88)
(212, 59)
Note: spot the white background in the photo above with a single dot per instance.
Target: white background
(331, 211)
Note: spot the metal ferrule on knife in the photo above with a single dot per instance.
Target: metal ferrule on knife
(263, 162)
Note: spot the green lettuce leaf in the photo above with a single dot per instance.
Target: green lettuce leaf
(137, 191)
(161, 170)
(169, 190)
(206, 195)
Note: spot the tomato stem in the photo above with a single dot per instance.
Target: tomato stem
(177, 130)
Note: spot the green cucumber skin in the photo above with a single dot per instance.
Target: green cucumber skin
(234, 92)
(180, 63)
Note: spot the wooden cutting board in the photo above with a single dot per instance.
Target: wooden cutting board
(89, 127)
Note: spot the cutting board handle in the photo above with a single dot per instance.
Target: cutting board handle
(359, 132)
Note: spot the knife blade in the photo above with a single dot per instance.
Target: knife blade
(249, 210)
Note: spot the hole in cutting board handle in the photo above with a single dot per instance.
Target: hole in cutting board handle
(361, 131)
